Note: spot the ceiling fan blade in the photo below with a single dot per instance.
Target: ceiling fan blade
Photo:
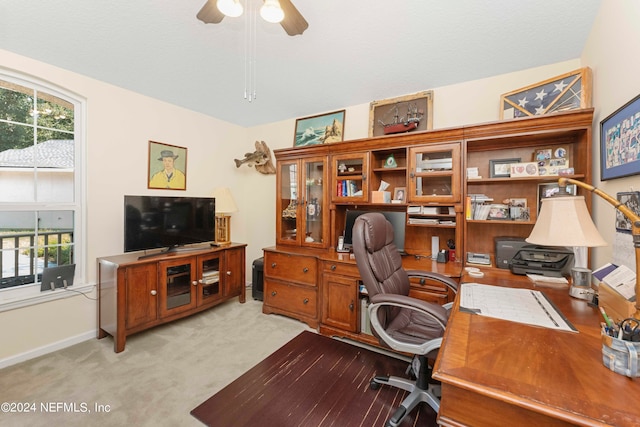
(293, 23)
(209, 14)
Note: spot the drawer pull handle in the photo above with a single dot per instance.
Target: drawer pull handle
(423, 282)
(333, 267)
(305, 301)
(273, 293)
(273, 265)
(154, 292)
(305, 270)
(228, 273)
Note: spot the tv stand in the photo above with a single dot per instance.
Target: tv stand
(139, 292)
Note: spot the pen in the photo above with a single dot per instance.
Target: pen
(606, 318)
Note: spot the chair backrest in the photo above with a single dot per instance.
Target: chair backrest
(378, 259)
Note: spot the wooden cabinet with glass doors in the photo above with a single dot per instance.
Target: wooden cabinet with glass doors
(301, 204)
(138, 293)
(434, 172)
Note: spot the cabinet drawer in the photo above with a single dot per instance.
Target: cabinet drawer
(344, 269)
(292, 298)
(292, 268)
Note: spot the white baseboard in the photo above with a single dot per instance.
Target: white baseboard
(49, 348)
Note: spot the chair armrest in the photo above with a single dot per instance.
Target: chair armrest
(436, 312)
(437, 277)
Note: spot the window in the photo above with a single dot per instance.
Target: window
(40, 177)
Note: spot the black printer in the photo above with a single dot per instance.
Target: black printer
(542, 260)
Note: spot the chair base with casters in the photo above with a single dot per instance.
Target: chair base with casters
(420, 390)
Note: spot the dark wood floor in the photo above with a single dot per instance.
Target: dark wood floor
(312, 381)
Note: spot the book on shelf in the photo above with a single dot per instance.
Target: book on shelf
(477, 206)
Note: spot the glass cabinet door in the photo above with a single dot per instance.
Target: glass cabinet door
(350, 177)
(435, 173)
(315, 217)
(209, 279)
(288, 202)
(178, 287)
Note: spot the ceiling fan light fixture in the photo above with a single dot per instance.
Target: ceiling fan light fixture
(271, 11)
(231, 8)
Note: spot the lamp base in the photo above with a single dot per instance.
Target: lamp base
(223, 230)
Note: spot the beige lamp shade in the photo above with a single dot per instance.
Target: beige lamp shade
(565, 221)
(224, 201)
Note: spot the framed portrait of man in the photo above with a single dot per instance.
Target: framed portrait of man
(167, 168)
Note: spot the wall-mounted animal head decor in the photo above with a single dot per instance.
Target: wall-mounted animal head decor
(261, 159)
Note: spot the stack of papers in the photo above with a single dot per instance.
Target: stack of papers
(620, 278)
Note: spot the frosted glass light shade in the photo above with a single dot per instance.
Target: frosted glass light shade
(231, 8)
(565, 221)
(271, 11)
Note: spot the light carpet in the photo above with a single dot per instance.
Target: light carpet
(161, 375)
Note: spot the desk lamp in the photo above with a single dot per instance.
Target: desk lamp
(224, 206)
(564, 220)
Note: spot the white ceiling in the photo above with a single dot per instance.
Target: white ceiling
(354, 51)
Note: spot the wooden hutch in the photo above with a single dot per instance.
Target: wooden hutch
(306, 278)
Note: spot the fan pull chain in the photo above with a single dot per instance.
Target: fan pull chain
(250, 50)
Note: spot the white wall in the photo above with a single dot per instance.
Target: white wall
(612, 53)
(120, 123)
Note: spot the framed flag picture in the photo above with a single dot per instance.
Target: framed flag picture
(570, 91)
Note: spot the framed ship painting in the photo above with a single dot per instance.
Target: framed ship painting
(409, 113)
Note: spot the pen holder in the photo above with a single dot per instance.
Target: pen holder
(620, 356)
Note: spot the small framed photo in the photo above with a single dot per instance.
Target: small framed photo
(630, 199)
(400, 194)
(167, 167)
(542, 155)
(501, 168)
(521, 203)
(549, 189)
(499, 212)
(320, 129)
(619, 147)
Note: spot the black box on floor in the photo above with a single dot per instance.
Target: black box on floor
(257, 284)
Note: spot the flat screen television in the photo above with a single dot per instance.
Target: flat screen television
(398, 220)
(152, 222)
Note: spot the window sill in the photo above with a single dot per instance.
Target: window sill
(28, 298)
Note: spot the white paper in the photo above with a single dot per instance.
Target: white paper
(623, 280)
(514, 304)
(541, 278)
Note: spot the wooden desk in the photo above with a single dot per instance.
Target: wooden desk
(500, 373)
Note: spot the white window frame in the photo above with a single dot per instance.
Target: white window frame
(25, 295)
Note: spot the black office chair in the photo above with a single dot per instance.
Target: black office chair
(398, 321)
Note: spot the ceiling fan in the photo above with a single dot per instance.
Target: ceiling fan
(293, 22)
